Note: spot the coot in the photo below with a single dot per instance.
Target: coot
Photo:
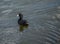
(22, 21)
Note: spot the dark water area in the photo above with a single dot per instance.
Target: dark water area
(43, 17)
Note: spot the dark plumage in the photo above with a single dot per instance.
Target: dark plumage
(21, 21)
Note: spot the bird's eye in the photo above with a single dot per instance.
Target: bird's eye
(17, 15)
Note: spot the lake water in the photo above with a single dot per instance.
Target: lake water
(43, 17)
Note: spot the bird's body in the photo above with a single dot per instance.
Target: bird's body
(22, 22)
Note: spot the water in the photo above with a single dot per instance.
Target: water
(42, 16)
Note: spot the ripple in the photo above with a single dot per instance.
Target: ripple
(7, 0)
(58, 7)
(7, 11)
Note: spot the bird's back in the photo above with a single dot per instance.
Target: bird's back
(22, 22)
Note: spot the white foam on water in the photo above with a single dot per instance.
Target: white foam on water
(7, 11)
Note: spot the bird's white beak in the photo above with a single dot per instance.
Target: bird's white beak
(17, 15)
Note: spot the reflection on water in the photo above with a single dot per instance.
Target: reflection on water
(21, 27)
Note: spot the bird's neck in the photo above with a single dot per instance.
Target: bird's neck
(21, 17)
